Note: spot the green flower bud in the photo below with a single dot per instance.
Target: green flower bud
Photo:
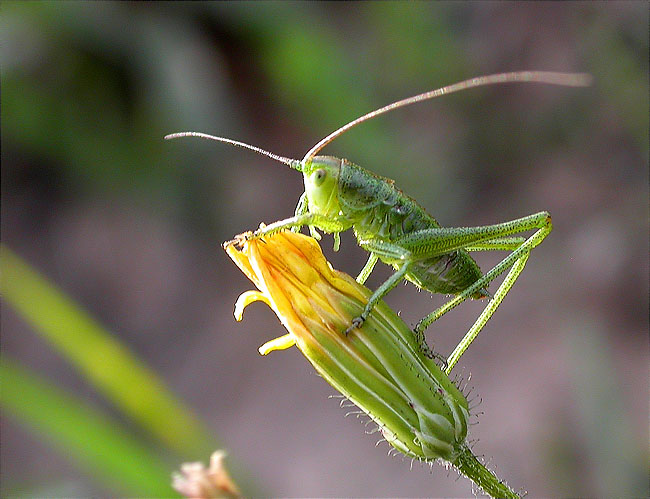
(379, 366)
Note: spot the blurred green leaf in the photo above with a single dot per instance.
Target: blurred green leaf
(617, 457)
(104, 361)
(88, 437)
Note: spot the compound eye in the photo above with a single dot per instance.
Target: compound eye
(318, 177)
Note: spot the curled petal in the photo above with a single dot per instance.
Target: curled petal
(281, 343)
(245, 299)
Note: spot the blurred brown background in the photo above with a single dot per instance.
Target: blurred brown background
(130, 226)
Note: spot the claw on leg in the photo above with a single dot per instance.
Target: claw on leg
(239, 239)
(426, 350)
(227, 244)
(440, 358)
(356, 323)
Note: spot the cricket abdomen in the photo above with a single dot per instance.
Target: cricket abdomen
(450, 273)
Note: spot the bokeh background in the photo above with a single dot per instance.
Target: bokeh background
(129, 227)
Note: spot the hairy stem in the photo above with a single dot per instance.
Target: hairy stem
(471, 467)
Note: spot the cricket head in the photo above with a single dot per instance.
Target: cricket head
(321, 175)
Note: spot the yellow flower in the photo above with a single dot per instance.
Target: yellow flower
(379, 367)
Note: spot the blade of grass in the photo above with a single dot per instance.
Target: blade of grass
(115, 371)
(92, 440)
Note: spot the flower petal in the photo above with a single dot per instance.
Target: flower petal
(281, 343)
(245, 299)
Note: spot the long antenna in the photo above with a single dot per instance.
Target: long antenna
(566, 79)
(293, 163)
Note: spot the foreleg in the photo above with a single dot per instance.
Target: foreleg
(301, 208)
(309, 219)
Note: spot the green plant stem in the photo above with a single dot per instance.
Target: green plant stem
(470, 466)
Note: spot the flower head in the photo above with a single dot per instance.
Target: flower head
(379, 366)
(197, 481)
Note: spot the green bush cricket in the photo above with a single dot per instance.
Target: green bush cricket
(395, 229)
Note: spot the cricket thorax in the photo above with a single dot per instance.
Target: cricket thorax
(381, 211)
(378, 209)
